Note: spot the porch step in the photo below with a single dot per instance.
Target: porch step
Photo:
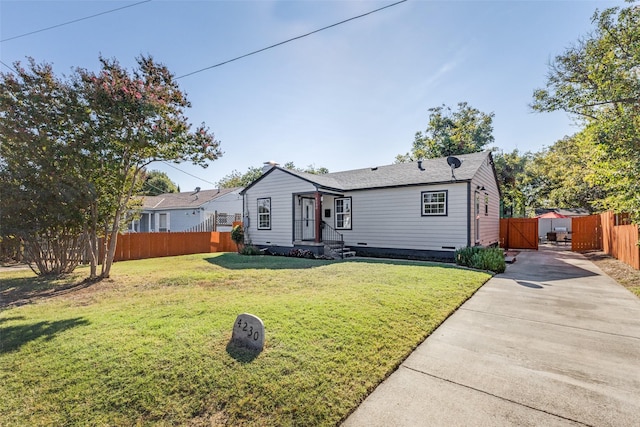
(345, 252)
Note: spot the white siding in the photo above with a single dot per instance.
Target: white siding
(489, 224)
(392, 218)
(230, 203)
(280, 187)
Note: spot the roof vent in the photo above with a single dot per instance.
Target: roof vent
(374, 168)
(420, 165)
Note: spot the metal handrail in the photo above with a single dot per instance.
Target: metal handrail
(305, 230)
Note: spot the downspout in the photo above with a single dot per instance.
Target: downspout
(293, 218)
(469, 213)
(318, 214)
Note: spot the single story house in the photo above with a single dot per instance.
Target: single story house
(200, 210)
(418, 210)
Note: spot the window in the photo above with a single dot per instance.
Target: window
(343, 213)
(163, 222)
(264, 214)
(434, 203)
(486, 205)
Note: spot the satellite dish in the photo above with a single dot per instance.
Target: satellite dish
(454, 162)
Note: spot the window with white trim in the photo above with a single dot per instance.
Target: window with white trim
(163, 222)
(264, 214)
(343, 213)
(434, 203)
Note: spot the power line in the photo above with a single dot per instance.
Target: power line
(291, 39)
(9, 67)
(73, 21)
(187, 173)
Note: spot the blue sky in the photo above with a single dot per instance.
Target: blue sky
(350, 97)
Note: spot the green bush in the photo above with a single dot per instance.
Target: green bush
(491, 259)
(237, 235)
(250, 250)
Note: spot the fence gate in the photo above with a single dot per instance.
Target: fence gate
(586, 233)
(519, 233)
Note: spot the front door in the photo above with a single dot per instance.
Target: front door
(308, 219)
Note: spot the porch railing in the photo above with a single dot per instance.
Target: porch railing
(305, 230)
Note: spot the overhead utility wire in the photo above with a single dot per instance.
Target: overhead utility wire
(71, 22)
(290, 40)
(9, 67)
(192, 175)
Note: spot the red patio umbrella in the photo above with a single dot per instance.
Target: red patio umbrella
(552, 215)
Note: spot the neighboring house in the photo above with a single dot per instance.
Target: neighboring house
(421, 210)
(191, 211)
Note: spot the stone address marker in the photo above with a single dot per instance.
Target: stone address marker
(248, 331)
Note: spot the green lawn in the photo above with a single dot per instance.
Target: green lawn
(150, 346)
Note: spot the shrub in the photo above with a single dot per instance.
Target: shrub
(491, 259)
(301, 253)
(250, 250)
(237, 235)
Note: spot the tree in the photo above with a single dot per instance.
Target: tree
(511, 169)
(93, 135)
(156, 182)
(309, 169)
(44, 194)
(238, 179)
(563, 175)
(597, 81)
(448, 133)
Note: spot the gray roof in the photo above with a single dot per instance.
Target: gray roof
(433, 171)
(187, 200)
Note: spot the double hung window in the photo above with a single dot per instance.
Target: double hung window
(264, 214)
(343, 213)
(434, 203)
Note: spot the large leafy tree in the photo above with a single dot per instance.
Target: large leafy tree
(239, 179)
(511, 169)
(100, 130)
(463, 131)
(563, 175)
(598, 81)
(157, 182)
(44, 193)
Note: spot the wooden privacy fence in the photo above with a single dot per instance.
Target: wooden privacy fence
(519, 233)
(620, 241)
(600, 232)
(586, 233)
(154, 245)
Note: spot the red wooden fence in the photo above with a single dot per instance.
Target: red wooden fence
(519, 233)
(586, 233)
(154, 245)
(599, 232)
(620, 241)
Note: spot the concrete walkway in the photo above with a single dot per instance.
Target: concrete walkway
(551, 342)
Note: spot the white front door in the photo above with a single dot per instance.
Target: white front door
(308, 219)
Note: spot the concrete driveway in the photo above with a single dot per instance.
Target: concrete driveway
(551, 342)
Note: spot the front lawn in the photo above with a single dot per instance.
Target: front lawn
(150, 346)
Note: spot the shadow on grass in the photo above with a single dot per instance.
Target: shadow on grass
(24, 290)
(397, 261)
(241, 354)
(233, 261)
(14, 337)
